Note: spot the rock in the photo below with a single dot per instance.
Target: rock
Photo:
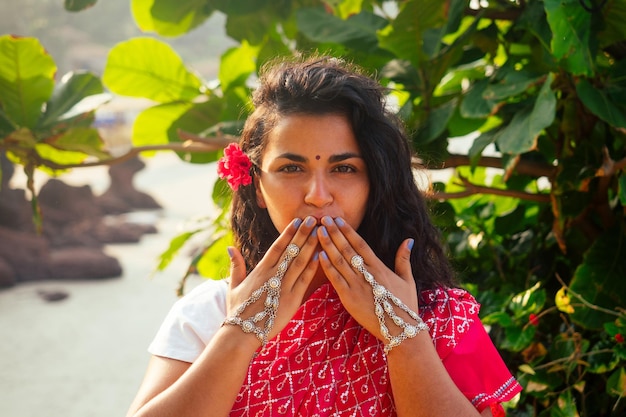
(25, 253)
(52, 295)
(7, 274)
(80, 263)
(122, 196)
(76, 226)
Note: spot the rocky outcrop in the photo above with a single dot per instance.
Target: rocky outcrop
(76, 226)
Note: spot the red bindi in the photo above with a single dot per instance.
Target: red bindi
(317, 157)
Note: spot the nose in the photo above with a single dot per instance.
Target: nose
(319, 193)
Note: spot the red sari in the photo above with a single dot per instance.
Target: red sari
(323, 363)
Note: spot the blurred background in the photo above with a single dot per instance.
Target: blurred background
(78, 347)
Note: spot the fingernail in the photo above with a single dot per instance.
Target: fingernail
(315, 256)
(410, 244)
(310, 221)
(230, 252)
(324, 231)
(297, 223)
(323, 255)
(327, 220)
(339, 221)
(314, 231)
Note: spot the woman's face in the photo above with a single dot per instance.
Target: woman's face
(312, 166)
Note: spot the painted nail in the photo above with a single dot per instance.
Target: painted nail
(310, 221)
(314, 231)
(230, 252)
(339, 221)
(297, 223)
(323, 255)
(315, 256)
(324, 231)
(327, 220)
(410, 244)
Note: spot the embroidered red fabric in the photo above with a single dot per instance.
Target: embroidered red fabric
(325, 364)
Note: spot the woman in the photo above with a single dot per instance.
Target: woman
(340, 300)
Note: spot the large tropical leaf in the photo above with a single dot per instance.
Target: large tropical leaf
(73, 89)
(521, 134)
(170, 17)
(26, 79)
(146, 67)
(358, 31)
(571, 28)
(237, 65)
(601, 104)
(405, 36)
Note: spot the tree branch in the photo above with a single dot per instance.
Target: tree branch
(471, 189)
(523, 167)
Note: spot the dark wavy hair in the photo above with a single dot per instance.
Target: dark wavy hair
(396, 209)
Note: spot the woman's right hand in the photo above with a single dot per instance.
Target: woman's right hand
(295, 282)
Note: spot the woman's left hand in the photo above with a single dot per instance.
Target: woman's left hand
(340, 243)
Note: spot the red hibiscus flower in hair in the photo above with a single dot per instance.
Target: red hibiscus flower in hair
(234, 167)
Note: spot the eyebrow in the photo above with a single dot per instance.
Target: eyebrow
(333, 158)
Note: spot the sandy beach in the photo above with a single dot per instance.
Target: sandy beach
(84, 356)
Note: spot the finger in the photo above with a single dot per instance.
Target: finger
(276, 251)
(237, 267)
(341, 243)
(403, 260)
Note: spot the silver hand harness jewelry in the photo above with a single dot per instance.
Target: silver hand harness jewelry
(383, 300)
(272, 287)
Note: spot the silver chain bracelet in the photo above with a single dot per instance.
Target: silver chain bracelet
(383, 300)
(272, 287)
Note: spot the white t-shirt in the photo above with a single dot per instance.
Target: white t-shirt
(191, 322)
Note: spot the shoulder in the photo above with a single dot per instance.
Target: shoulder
(449, 313)
(191, 322)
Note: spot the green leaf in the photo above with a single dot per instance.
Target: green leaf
(616, 384)
(152, 125)
(240, 7)
(57, 156)
(6, 125)
(601, 104)
(174, 247)
(499, 317)
(358, 31)
(510, 83)
(614, 30)
(170, 17)
(436, 122)
(529, 301)
(196, 120)
(571, 29)
(214, 262)
(78, 5)
(599, 279)
(69, 98)
(622, 189)
(405, 35)
(26, 79)
(565, 406)
(518, 338)
(222, 194)
(474, 104)
(520, 135)
(80, 139)
(146, 67)
(236, 66)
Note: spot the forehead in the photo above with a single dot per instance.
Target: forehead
(311, 134)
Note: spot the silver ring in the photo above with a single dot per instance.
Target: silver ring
(356, 262)
(292, 250)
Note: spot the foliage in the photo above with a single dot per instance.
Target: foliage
(534, 212)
